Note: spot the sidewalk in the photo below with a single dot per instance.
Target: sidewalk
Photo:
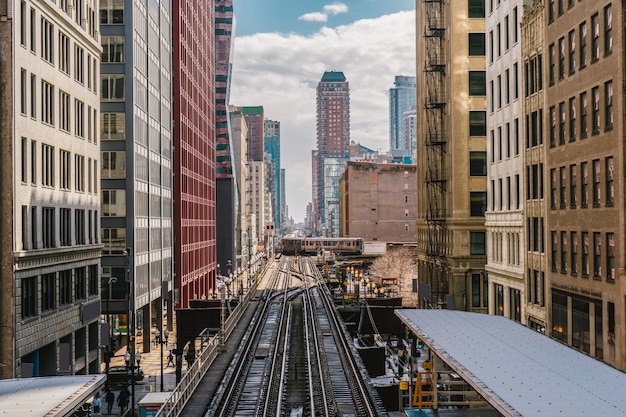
(151, 366)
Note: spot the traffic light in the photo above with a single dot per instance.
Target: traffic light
(420, 344)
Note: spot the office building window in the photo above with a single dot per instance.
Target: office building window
(47, 103)
(572, 119)
(29, 297)
(113, 203)
(582, 32)
(478, 123)
(553, 188)
(113, 49)
(80, 287)
(572, 186)
(79, 226)
(79, 173)
(47, 41)
(583, 115)
(563, 252)
(65, 226)
(92, 270)
(571, 37)
(584, 188)
(112, 12)
(608, 30)
(48, 290)
(595, 110)
(584, 265)
(79, 118)
(552, 126)
(610, 185)
(23, 91)
(64, 170)
(476, 9)
(554, 244)
(64, 53)
(112, 87)
(33, 96)
(478, 203)
(562, 187)
(64, 111)
(596, 183)
(561, 58)
(47, 165)
(478, 163)
(476, 44)
(597, 255)
(610, 256)
(65, 287)
(477, 83)
(112, 126)
(515, 84)
(562, 123)
(574, 253)
(79, 64)
(477, 243)
(552, 64)
(608, 105)
(595, 38)
(113, 164)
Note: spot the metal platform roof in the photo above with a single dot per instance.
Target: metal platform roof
(518, 371)
(47, 396)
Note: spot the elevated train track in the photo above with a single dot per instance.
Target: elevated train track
(297, 359)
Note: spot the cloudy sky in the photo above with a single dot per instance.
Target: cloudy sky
(283, 47)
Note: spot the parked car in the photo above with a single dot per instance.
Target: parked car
(121, 375)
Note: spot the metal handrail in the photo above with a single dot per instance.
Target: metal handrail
(176, 402)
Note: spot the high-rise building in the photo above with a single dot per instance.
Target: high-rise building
(272, 147)
(227, 200)
(401, 98)
(137, 164)
(409, 133)
(194, 135)
(451, 241)
(49, 181)
(504, 216)
(239, 135)
(531, 145)
(584, 163)
(254, 120)
(333, 136)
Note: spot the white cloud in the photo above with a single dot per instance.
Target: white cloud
(336, 8)
(281, 71)
(314, 17)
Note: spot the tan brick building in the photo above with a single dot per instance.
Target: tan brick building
(584, 44)
(377, 201)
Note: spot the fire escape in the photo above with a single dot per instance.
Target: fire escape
(436, 144)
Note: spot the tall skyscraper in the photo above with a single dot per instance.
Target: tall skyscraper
(137, 163)
(451, 241)
(401, 98)
(272, 147)
(49, 182)
(256, 136)
(333, 137)
(226, 187)
(194, 136)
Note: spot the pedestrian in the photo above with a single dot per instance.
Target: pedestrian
(122, 399)
(170, 359)
(96, 403)
(110, 398)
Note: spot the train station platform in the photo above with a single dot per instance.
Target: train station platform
(517, 370)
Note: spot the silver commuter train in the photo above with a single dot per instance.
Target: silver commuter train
(292, 245)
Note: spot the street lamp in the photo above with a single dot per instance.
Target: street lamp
(131, 365)
(159, 340)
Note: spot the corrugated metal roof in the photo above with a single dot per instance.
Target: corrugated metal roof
(518, 371)
(47, 396)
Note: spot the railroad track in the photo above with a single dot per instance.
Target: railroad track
(297, 359)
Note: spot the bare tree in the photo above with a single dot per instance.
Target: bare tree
(396, 263)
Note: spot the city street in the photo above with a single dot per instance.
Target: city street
(151, 366)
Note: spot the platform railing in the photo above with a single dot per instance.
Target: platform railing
(184, 390)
